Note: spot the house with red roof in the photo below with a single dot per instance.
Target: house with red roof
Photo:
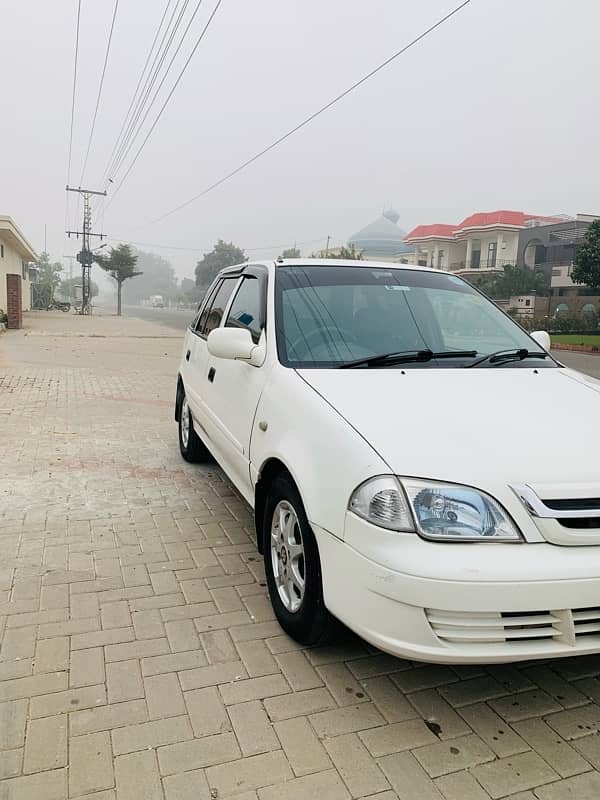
(483, 242)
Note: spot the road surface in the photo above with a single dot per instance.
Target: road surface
(171, 317)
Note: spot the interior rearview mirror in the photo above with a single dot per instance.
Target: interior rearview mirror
(542, 338)
(232, 343)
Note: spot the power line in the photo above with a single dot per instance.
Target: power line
(72, 110)
(315, 114)
(157, 63)
(164, 105)
(110, 35)
(73, 93)
(157, 92)
(207, 249)
(143, 72)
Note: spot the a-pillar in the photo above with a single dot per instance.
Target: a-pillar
(14, 301)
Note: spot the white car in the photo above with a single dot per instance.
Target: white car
(419, 466)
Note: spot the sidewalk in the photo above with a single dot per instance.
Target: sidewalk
(140, 659)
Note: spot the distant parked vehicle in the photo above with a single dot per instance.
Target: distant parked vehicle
(59, 305)
(156, 301)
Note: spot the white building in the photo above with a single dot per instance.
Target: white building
(484, 241)
(16, 255)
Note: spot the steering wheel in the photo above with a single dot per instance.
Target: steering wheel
(336, 333)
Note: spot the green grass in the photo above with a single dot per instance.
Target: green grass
(573, 338)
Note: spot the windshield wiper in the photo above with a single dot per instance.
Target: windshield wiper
(502, 356)
(405, 357)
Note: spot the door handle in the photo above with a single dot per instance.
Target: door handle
(187, 355)
(211, 374)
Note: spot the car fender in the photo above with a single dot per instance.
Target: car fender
(325, 456)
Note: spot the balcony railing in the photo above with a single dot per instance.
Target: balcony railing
(498, 263)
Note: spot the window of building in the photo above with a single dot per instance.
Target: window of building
(245, 311)
(1, 251)
(475, 259)
(527, 302)
(440, 262)
(492, 253)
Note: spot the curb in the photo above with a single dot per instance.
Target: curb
(577, 348)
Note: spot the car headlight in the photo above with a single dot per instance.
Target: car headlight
(382, 502)
(447, 512)
(438, 511)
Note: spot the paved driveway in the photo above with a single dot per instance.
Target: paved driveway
(140, 659)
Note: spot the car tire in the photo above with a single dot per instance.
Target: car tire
(190, 445)
(291, 559)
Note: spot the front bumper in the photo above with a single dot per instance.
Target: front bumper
(462, 603)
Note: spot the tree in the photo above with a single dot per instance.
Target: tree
(223, 254)
(48, 280)
(347, 253)
(120, 265)
(586, 265)
(158, 278)
(68, 289)
(291, 252)
(512, 282)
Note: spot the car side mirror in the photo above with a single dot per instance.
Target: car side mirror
(542, 338)
(231, 343)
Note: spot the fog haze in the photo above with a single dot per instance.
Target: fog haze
(496, 109)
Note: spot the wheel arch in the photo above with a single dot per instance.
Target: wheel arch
(179, 397)
(270, 470)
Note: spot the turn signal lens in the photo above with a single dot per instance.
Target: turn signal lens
(382, 502)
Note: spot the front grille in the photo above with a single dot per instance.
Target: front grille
(574, 504)
(514, 627)
(578, 523)
(586, 621)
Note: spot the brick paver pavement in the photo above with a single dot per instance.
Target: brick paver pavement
(140, 659)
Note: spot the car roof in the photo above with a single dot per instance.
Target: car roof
(325, 262)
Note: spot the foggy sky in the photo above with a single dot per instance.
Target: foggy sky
(496, 109)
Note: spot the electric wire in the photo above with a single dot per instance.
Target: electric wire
(89, 144)
(314, 115)
(168, 98)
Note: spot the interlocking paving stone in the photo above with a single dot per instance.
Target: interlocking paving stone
(303, 749)
(252, 728)
(324, 785)
(253, 772)
(454, 755)
(130, 574)
(137, 777)
(13, 719)
(397, 737)
(90, 764)
(357, 769)
(198, 753)
(563, 758)
(46, 745)
(514, 774)
(494, 731)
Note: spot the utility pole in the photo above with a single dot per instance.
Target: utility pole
(327, 246)
(85, 254)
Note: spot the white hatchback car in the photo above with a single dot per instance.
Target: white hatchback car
(420, 468)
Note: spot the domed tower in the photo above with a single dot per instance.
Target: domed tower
(382, 240)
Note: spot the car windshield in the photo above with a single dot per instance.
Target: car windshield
(328, 316)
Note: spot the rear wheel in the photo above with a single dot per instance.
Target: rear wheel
(293, 567)
(190, 444)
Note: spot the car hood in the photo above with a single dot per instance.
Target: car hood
(481, 427)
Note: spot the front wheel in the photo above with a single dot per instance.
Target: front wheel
(293, 567)
(190, 445)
